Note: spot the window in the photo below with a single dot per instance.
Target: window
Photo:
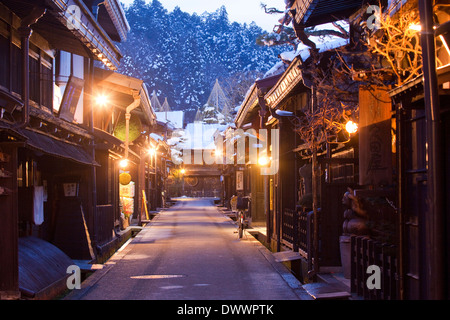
(16, 70)
(46, 81)
(11, 68)
(4, 61)
(41, 77)
(10, 60)
(34, 79)
(4, 54)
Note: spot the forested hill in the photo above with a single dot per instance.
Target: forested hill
(180, 55)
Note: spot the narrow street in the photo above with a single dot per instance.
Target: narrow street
(191, 252)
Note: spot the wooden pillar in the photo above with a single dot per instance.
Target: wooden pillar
(434, 266)
(9, 251)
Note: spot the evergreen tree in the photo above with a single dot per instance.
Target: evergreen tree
(180, 56)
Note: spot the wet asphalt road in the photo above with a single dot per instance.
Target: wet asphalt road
(190, 252)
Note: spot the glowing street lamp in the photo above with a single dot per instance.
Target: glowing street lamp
(182, 171)
(123, 163)
(415, 27)
(152, 151)
(263, 161)
(101, 100)
(351, 127)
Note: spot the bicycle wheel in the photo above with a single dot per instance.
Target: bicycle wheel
(241, 225)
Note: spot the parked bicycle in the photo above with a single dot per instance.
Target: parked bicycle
(242, 206)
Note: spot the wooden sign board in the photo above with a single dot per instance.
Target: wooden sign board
(70, 98)
(239, 180)
(375, 138)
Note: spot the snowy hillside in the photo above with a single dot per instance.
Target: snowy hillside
(180, 56)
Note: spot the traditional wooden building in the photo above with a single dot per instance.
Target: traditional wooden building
(421, 108)
(251, 117)
(123, 120)
(198, 174)
(400, 183)
(48, 163)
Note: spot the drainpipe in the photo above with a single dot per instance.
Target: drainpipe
(95, 6)
(25, 33)
(279, 208)
(434, 222)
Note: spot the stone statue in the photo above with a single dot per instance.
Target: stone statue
(355, 216)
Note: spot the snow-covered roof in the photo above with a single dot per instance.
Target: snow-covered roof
(156, 137)
(200, 135)
(322, 44)
(277, 68)
(176, 118)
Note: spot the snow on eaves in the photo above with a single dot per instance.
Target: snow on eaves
(278, 68)
(304, 53)
(156, 137)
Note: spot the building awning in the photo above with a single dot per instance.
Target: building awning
(57, 148)
(106, 141)
(314, 12)
(73, 31)
(87, 31)
(8, 101)
(122, 85)
(11, 133)
(48, 145)
(112, 18)
(251, 98)
(290, 78)
(411, 87)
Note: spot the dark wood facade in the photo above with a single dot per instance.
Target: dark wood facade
(48, 189)
(413, 203)
(390, 170)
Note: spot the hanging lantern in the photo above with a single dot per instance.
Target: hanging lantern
(124, 178)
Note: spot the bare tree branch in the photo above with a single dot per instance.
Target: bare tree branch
(270, 10)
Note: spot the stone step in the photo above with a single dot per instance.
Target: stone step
(286, 256)
(324, 290)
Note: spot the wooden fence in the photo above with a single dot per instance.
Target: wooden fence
(297, 230)
(104, 224)
(366, 252)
